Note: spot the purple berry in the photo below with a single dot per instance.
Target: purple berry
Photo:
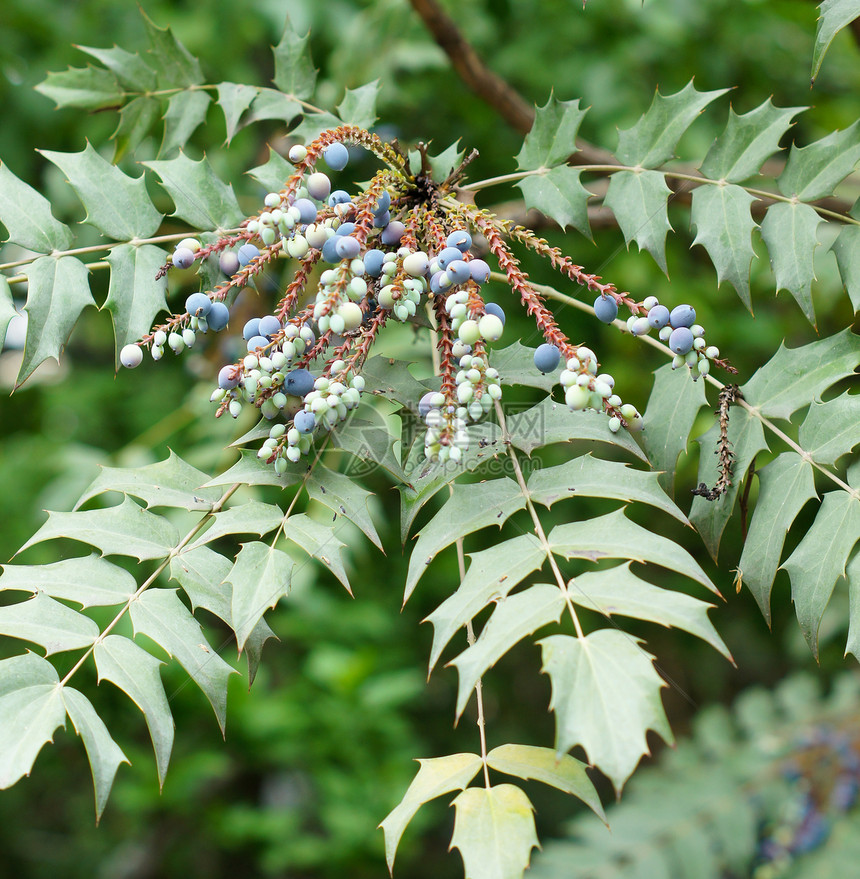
(339, 196)
(229, 263)
(606, 309)
(198, 304)
(383, 204)
(329, 250)
(257, 342)
(183, 258)
(307, 209)
(393, 232)
(447, 256)
(458, 271)
(228, 377)
(247, 253)
(479, 270)
(347, 247)
(345, 229)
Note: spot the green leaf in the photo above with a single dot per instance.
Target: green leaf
(343, 496)
(128, 67)
(442, 164)
(494, 829)
(852, 574)
(358, 106)
(514, 617)
(789, 231)
(368, 441)
(123, 530)
(747, 141)
(31, 709)
(746, 440)
(830, 429)
(252, 517)
(814, 171)
(136, 119)
(470, 508)
(175, 65)
(552, 139)
(27, 216)
(234, 99)
(392, 378)
(49, 623)
(551, 422)
(559, 195)
(833, 15)
(615, 536)
(639, 199)
(820, 558)
(159, 614)
(294, 70)
(254, 648)
(312, 125)
(103, 752)
(89, 580)
(606, 696)
(724, 226)
(260, 578)
(436, 776)
(274, 174)
(117, 205)
(250, 470)
(543, 764)
(794, 377)
(200, 198)
(57, 292)
(846, 249)
(516, 366)
(271, 104)
(135, 672)
(491, 576)
(652, 140)
(202, 573)
(785, 485)
(134, 296)
(320, 541)
(586, 476)
(674, 403)
(86, 88)
(186, 112)
(618, 591)
(7, 309)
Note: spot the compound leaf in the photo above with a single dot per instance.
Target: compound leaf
(250, 470)
(558, 194)
(7, 309)
(846, 249)
(87, 88)
(343, 496)
(320, 541)
(274, 173)
(272, 104)
(234, 98)
(136, 118)
(47, 622)
(814, 171)
(186, 111)
(833, 15)
(552, 139)
(252, 517)
(27, 216)
(175, 65)
(830, 429)
(128, 67)
(294, 70)
(358, 106)
(203, 573)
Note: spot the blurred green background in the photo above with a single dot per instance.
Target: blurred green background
(321, 748)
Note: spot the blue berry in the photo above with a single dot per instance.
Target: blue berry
(479, 270)
(460, 239)
(447, 256)
(681, 340)
(382, 220)
(229, 263)
(268, 326)
(329, 250)
(247, 253)
(436, 285)
(306, 208)
(424, 404)
(606, 309)
(373, 260)
(682, 316)
(383, 204)
(198, 304)
(228, 378)
(658, 317)
(251, 329)
(458, 271)
(131, 356)
(339, 196)
(336, 156)
(257, 342)
(393, 232)
(497, 310)
(218, 317)
(547, 357)
(345, 229)
(299, 382)
(183, 258)
(347, 247)
(304, 422)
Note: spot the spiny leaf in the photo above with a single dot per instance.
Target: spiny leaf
(358, 106)
(369, 441)
(27, 216)
(748, 139)
(136, 119)
(470, 508)
(436, 776)
(789, 231)
(126, 529)
(543, 764)
(312, 125)
(31, 709)
(252, 517)
(393, 379)
(86, 88)
(294, 70)
(559, 195)
(134, 296)
(175, 65)
(785, 485)
(852, 574)
(343, 496)
(271, 104)
(200, 198)
(586, 476)
(89, 580)
(441, 165)
(618, 591)
(746, 440)
(202, 573)
(159, 614)
(57, 292)
(674, 403)
(724, 226)
(846, 249)
(7, 308)
(552, 139)
(186, 111)
(820, 558)
(234, 98)
(250, 470)
(136, 673)
(605, 695)
(516, 366)
(615, 536)
(254, 648)
(833, 15)
(514, 617)
(320, 541)
(814, 171)
(274, 173)
(794, 377)
(128, 67)
(492, 574)
(494, 829)
(49, 623)
(639, 199)
(652, 140)
(830, 429)
(103, 752)
(260, 578)
(117, 205)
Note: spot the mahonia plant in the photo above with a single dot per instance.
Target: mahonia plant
(411, 246)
